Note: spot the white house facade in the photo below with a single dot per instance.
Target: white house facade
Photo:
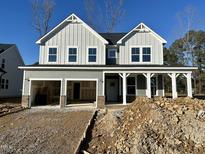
(12, 77)
(77, 65)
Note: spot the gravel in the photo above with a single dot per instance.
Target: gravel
(43, 131)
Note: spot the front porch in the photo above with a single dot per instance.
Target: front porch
(125, 86)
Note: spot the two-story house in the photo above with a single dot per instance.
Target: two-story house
(11, 79)
(77, 65)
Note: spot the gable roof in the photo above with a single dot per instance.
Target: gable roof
(143, 28)
(70, 19)
(112, 38)
(4, 47)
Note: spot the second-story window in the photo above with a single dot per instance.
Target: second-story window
(92, 54)
(146, 57)
(52, 55)
(3, 63)
(135, 54)
(72, 55)
(112, 53)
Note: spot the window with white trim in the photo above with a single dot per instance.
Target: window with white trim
(112, 53)
(72, 54)
(92, 52)
(131, 85)
(135, 54)
(146, 54)
(52, 55)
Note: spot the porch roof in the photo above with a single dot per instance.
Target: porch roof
(112, 68)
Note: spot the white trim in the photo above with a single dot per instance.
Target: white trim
(74, 18)
(48, 47)
(142, 24)
(23, 88)
(113, 68)
(108, 53)
(85, 79)
(67, 55)
(87, 55)
(103, 86)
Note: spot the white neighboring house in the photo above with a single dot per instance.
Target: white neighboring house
(78, 65)
(11, 78)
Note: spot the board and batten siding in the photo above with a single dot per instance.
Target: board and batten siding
(141, 40)
(74, 34)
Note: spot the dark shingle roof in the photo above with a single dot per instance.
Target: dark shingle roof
(4, 47)
(112, 38)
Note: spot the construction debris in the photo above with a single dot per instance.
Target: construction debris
(158, 125)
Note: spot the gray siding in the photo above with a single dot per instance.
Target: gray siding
(15, 76)
(74, 34)
(141, 39)
(63, 75)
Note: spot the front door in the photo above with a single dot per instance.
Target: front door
(76, 91)
(112, 90)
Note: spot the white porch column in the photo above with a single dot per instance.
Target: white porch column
(189, 84)
(148, 90)
(124, 86)
(173, 76)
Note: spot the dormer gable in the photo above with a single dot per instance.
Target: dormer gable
(70, 19)
(142, 28)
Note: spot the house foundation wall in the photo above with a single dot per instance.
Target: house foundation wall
(25, 101)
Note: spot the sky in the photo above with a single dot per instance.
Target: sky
(160, 15)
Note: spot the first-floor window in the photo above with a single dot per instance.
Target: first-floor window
(72, 55)
(135, 54)
(2, 83)
(131, 85)
(146, 57)
(92, 54)
(52, 55)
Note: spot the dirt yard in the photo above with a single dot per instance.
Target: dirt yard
(9, 105)
(43, 131)
(151, 126)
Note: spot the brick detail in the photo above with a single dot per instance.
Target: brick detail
(25, 101)
(63, 101)
(101, 102)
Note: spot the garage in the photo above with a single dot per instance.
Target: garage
(45, 93)
(81, 92)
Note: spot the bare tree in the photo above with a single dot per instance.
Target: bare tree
(104, 16)
(42, 11)
(188, 20)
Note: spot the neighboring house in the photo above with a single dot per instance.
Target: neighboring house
(77, 65)
(11, 79)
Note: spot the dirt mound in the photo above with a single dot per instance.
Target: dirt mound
(157, 125)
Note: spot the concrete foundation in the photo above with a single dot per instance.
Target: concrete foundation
(101, 102)
(25, 101)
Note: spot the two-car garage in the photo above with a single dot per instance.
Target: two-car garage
(48, 92)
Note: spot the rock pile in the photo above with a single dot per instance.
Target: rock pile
(158, 125)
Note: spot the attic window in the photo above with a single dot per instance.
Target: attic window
(72, 57)
(92, 54)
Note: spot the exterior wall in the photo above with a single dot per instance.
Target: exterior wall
(63, 75)
(141, 39)
(74, 34)
(141, 86)
(13, 75)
